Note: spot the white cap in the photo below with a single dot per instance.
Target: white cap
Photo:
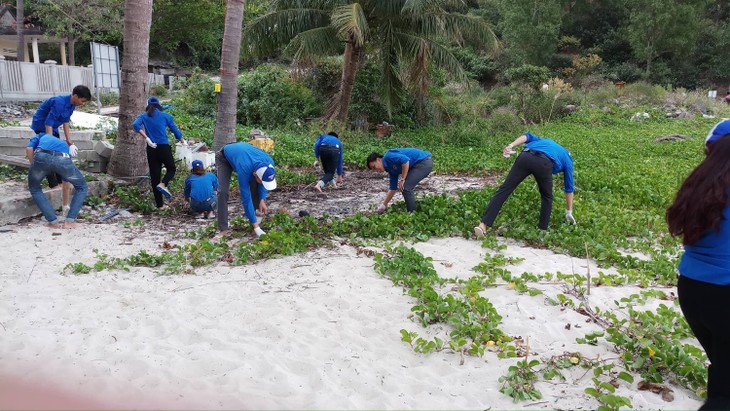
(267, 174)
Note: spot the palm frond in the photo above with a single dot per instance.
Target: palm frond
(392, 86)
(457, 28)
(413, 46)
(386, 8)
(350, 21)
(306, 4)
(275, 30)
(318, 42)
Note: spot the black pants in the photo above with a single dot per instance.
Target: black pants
(705, 306)
(156, 158)
(528, 163)
(329, 155)
(53, 178)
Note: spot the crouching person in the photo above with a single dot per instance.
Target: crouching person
(200, 190)
(48, 154)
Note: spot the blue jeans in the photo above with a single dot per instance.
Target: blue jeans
(204, 206)
(44, 164)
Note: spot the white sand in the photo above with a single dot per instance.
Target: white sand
(320, 330)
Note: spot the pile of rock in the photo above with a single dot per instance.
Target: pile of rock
(9, 111)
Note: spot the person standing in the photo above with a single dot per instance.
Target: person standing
(541, 158)
(53, 113)
(200, 190)
(406, 167)
(700, 215)
(328, 151)
(256, 177)
(153, 125)
(48, 154)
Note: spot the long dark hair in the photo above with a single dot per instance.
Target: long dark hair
(151, 109)
(702, 199)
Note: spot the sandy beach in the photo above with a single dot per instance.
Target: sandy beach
(318, 330)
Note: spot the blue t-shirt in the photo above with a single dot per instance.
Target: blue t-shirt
(156, 126)
(53, 112)
(394, 159)
(48, 142)
(245, 159)
(562, 162)
(200, 188)
(708, 260)
(331, 140)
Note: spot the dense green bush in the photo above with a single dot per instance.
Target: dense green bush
(268, 96)
(198, 97)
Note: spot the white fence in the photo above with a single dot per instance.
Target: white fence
(20, 81)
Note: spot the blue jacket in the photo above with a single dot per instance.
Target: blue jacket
(245, 159)
(48, 142)
(53, 112)
(200, 188)
(332, 140)
(708, 260)
(394, 159)
(562, 162)
(156, 126)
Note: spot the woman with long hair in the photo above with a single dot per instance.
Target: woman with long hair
(700, 215)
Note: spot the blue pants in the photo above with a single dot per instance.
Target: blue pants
(204, 206)
(45, 164)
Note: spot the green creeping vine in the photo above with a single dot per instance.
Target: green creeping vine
(652, 343)
(473, 318)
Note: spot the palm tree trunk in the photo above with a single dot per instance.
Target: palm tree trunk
(19, 27)
(72, 51)
(349, 70)
(225, 126)
(129, 158)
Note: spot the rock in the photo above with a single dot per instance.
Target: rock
(571, 108)
(673, 137)
(303, 213)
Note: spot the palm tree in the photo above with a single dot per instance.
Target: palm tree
(129, 158)
(225, 126)
(406, 36)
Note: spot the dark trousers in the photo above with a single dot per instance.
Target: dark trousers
(527, 163)
(329, 155)
(415, 174)
(705, 306)
(224, 170)
(53, 179)
(156, 158)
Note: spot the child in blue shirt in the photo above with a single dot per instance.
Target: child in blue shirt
(200, 190)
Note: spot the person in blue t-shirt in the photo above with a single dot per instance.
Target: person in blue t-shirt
(53, 113)
(256, 177)
(200, 190)
(541, 158)
(153, 125)
(700, 215)
(406, 167)
(328, 151)
(48, 154)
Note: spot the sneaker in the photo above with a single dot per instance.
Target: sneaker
(478, 232)
(165, 192)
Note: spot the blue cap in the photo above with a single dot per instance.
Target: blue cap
(153, 100)
(722, 128)
(197, 164)
(267, 174)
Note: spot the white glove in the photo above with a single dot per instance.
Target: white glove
(150, 142)
(569, 217)
(183, 142)
(259, 232)
(316, 163)
(73, 150)
(381, 208)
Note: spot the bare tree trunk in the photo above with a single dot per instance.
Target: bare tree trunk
(129, 158)
(349, 70)
(225, 126)
(72, 51)
(19, 28)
